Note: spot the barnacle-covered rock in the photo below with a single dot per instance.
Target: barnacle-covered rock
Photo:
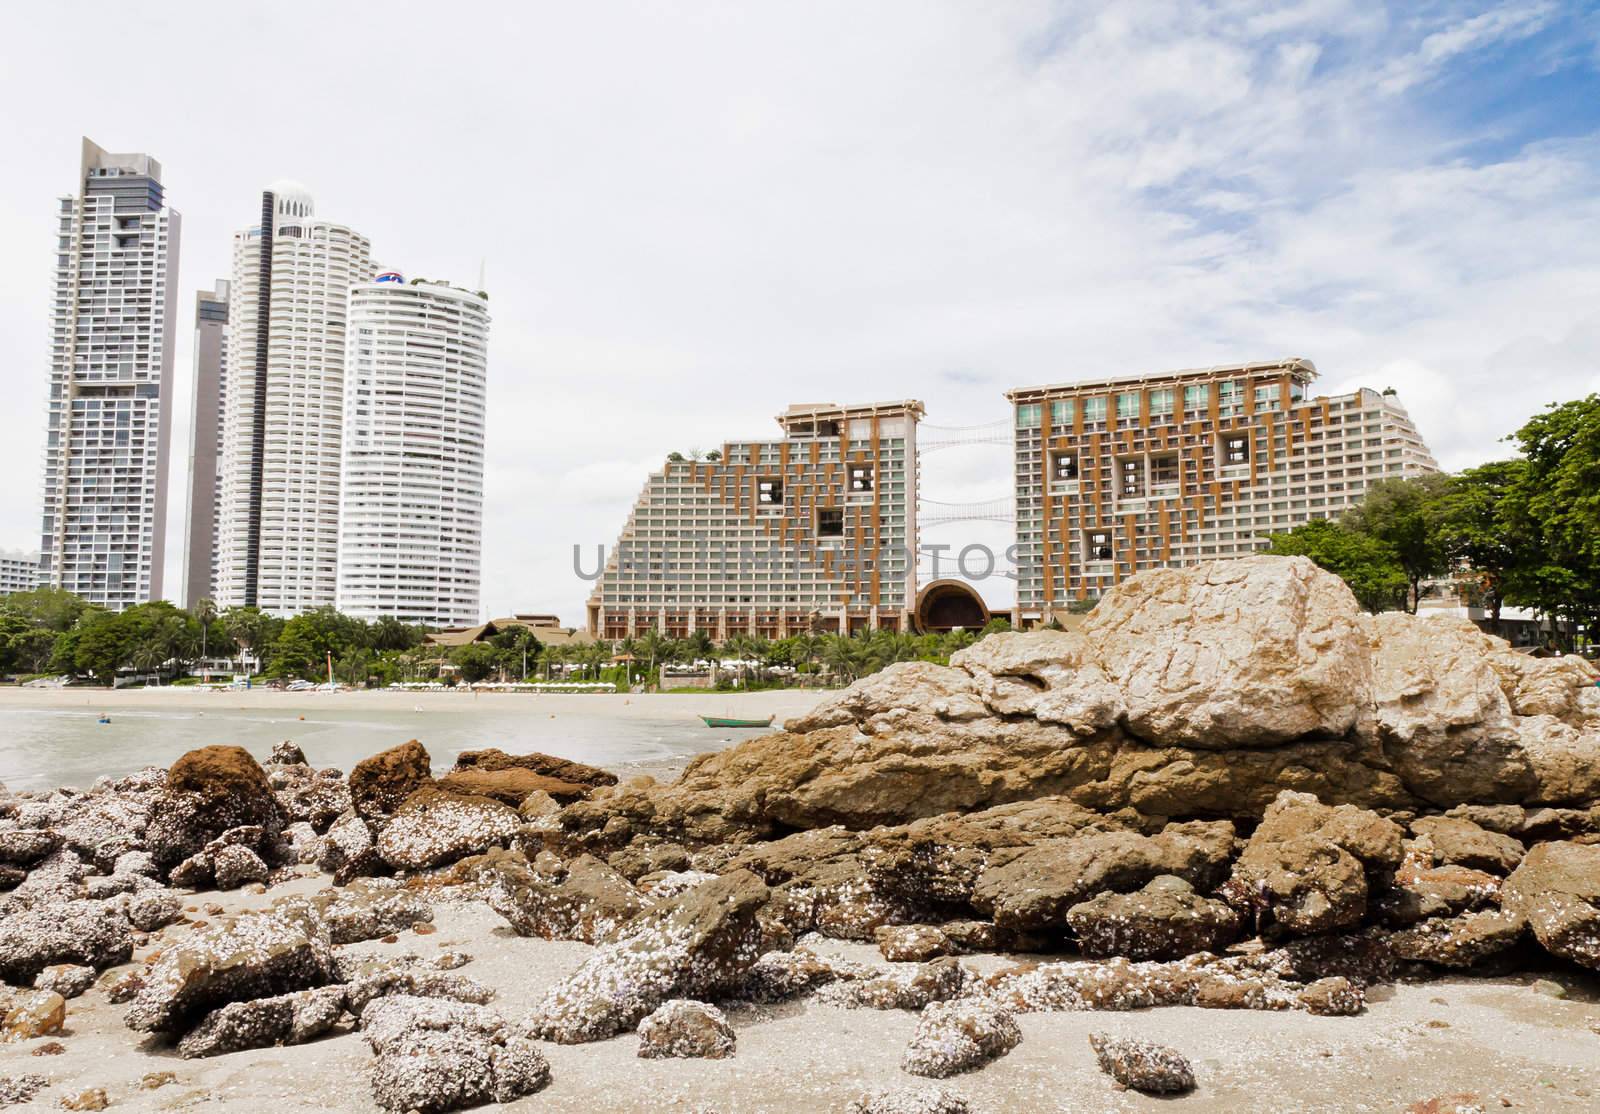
(909, 1100)
(589, 903)
(434, 827)
(208, 792)
(66, 979)
(435, 1055)
(936, 981)
(93, 933)
(1165, 920)
(912, 943)
(682, 1028)
(380, 783)
(263, 1022)
(1557, 888)
(1141, 1065)
(953, 1037)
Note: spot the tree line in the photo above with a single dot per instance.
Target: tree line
(1521, 532)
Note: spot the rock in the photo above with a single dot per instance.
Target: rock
(1034, 888)
(237, 866)
(1142, 1066)
(301, 845)
(287, 753)
(938, 980)
(953, 1037)
(1462, 1103)
(265, 1022)
(779, 976)
(1165, 920)
(510, 786)
(155, 1080)
(27, 1014)
(91, 1098)
(347, 841)
(66, 979)
(369, 910)
(208, 792)
(380, 784)
(369, 979)
(20, 1088)
(910, 1100)
(434, 1055)
(1418, 893)
(92, 933)
(24, 847)
(1549, 988)
(1307, 863)
(545, 765)
(1463, 843)
(923, 688)
(696, 945)
(1459, 941)
(1557, 889)
(663, 886)
(434, 827)
(1333, 997)
(141, 863)
(1247, 653)
(150, 910)
(258, 955)
(681, 1028)
(590, 903)
(912, 943)
(304, 795)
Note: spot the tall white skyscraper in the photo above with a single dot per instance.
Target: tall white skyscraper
(205, 442)
(411, 521)
(289, 301)
(109, 419)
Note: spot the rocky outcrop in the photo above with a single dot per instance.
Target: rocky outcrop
(588, 901)
(699, 944)
(1164, 920)
(953, 1037)
(380, 784)
(264, 1022)
(434, 827)
(1557, 891)
(1138, 1065)
(208, 792)
(512, 778)
(91, 933)
(685, 1029)
(434, 1055)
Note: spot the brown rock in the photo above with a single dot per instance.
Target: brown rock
(589, 903)
(1164, 920)
(434, 827)
(912, 943)
(1333, 997)
(1459, 941)
(208, 792)
(380, 783)
(92, 1098)
(1142, 1066)
(559, 769)
(1463, 843)
(1557, 888)
(32, 1013)
(510, 785)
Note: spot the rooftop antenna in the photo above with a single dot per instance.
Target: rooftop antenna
(483, 265)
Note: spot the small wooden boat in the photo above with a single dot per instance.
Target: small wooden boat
(722, 721)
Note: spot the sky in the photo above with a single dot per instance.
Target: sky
(690, 216)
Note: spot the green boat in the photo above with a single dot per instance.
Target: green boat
(720, 721)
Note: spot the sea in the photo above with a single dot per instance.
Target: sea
(41, 748)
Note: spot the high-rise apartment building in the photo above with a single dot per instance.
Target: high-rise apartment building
(816, 531)
(109, 418)
(411, 493)
(1118, 475)
(205, 442)
(289, 303)
(19, 572)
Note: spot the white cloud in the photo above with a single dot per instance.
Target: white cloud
(694, 216)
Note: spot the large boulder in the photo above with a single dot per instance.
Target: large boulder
(1459, 941)
(1034, 889)
(434, 827)
(264, 1022)
(315, 797)
(589, 903)
(1461, 842)
(91, 933)
(1164, 920)
(380, 783)
(435, 1055)
(544, 765)
(1247, 653)
(698, 944)
(207, 792)
(1557, 890)
(257, 955)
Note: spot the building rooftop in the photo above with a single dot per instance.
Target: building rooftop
(1302, 368)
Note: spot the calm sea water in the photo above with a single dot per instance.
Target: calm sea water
(43, 748)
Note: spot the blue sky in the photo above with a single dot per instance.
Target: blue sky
(691, 216)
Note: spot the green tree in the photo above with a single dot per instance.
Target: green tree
(50, 608)
(204, 611)
(1407, 516)
(1558, 503)
(1485, 527)
(251, 629)
(1367, 565)
(302, 649)
(476, 661)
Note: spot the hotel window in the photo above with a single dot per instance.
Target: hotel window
(1094, 409)
(1235, 451)
(1130, 484)
(1128, 407)
(830, 522)
(860, 479)
(1063, 467)
(1029, 416)
(1161, 403)
(1267, 397)
(1062, 412)
(1195, 398)
(1230, 398)
(1097, 545)
(1164, 471)
(769, 492)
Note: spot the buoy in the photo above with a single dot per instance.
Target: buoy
(302, 718)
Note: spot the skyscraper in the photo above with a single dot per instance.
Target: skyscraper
(289, 300)
(205, 442)
(109, 418)
(411, 495)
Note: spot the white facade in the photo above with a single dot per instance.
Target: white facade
(109, 417)
(19, 572)
(278, 520)
(411, 493)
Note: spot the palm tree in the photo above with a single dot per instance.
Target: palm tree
(204, 611)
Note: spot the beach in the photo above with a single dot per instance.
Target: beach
(51, 737)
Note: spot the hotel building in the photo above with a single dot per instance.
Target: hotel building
(411, 490)
(283, 418)
(813, 531)
(205, 442)
(1118, 475)
(110, 409)
(19, 572)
